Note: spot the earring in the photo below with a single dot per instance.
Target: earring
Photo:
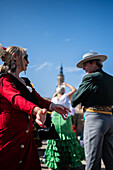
(13, 67)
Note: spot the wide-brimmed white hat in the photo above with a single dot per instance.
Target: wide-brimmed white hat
(91, 56)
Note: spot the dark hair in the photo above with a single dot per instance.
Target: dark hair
(98, 62)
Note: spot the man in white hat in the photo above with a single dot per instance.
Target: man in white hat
(96, 95)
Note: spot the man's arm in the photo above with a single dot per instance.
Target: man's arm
(83, 92)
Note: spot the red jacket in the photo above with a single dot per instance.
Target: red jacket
(17, 147)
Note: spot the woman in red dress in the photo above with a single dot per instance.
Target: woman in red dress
(19, 102)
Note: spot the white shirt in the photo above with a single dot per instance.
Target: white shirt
(64, 100)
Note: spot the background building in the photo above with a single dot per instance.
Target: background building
(60, 77)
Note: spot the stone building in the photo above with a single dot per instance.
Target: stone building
(60, 77)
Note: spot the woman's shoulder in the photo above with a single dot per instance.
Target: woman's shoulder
(54, 99)
(4, 79)
(4, 75)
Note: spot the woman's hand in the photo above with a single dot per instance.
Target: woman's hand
(40, 116)
(62, 110)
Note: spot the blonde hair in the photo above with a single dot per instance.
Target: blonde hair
(7, 56)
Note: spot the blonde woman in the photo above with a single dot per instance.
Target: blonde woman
(18, 103)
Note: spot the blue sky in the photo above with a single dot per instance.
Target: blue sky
(57, 32)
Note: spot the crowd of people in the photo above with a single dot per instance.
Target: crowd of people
(20, 103)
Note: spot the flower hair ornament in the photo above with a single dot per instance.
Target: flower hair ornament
(13, 67)
(2, 52)
(2, 55)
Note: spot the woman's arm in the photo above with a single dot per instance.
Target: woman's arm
(72, 90)
(9, 92)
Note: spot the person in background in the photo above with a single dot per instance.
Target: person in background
(19, 102)
(82, 134)
(64, 152)
(96, 95)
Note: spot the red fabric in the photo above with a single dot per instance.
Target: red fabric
(73, 127)
(4, 48)
(9, 92)
(14, 112)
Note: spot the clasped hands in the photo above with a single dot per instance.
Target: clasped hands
(41, 113)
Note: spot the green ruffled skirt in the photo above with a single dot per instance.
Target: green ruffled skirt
(64, 151)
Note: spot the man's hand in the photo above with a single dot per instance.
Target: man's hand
(62, 110)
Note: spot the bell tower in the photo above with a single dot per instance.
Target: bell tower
(60, 76)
